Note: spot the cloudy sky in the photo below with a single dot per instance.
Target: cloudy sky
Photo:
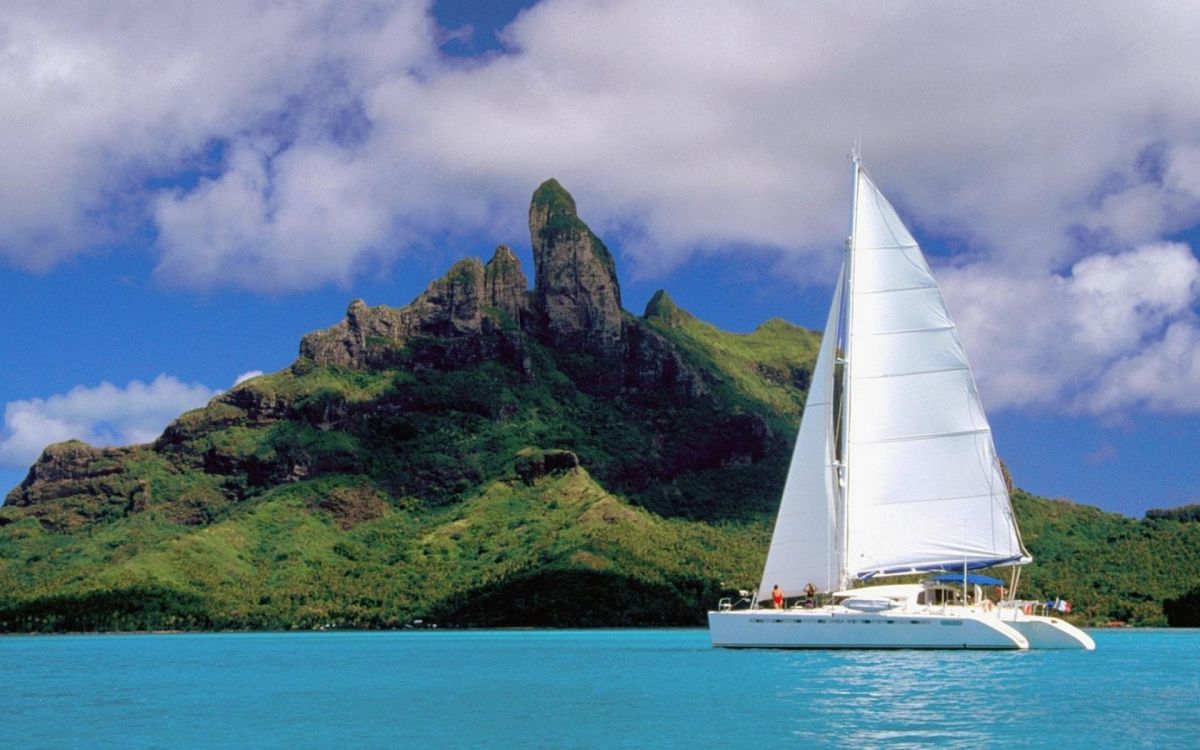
(186, 188)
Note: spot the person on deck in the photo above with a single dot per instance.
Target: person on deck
(777, 597)
(810, 593)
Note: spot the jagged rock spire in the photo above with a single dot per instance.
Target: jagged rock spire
(576, 290)
(575, 305)
(455, 305)
(505, 286)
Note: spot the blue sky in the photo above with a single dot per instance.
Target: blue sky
(186, 190)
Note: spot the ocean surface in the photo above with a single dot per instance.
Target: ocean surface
(586, 689)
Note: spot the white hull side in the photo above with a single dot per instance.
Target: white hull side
(1049, 632)
(837, 627)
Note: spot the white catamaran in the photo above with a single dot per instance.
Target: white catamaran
(894, 472)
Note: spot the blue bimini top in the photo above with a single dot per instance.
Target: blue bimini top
(973, 579)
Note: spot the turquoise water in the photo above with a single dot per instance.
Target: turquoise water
(585, 689)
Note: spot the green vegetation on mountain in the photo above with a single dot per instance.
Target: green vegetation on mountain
(487, 455)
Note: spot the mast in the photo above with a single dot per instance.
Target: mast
(844, 513)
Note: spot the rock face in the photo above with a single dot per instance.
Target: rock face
(534, 463)
(575, 305)
(470, 299)
(652, 362)
(505, 287)
(576, 286)
(61, 467)
(482, 311)
(72, 484)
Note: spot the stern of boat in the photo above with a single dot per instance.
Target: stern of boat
(1050, 633)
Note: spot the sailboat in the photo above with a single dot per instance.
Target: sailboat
(894, 472)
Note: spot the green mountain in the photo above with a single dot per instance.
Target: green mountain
(489, 455)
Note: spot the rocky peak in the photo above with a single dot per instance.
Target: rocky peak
(505, 286)
(663, 310)
(82, 479)
(575, 290)
(453, 306)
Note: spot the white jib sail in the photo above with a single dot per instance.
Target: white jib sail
(924, 488)
(803, 545)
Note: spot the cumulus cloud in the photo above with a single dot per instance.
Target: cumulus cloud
(283, 147)
(100, 415)
(113, 96)
(1162, 376)
(247, 376)
(343, 136)
(1111, 333)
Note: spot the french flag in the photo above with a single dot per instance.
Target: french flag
(1060, 605)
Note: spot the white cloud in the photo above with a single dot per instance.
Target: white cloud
(107, 96)
(697, 125)
(1162, 376)
(247, 376)
(101, 415)
(1037, 137)
(1110, 334)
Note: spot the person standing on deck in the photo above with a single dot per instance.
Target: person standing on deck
(777, 597)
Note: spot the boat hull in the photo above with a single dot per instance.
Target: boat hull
(1049, 632)
(833, 628)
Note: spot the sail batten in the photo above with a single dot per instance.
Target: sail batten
(914, 374)
(925, 436)
(908, 245)
(908, 330)
(900, 289)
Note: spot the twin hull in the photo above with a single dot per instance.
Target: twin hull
(837, 627)
(1048, 632)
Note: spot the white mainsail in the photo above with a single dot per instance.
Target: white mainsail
(922, 487)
